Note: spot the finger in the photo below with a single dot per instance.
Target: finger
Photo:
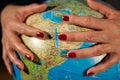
(6, 58)
(6, 61)
(33, 8)
(105, 64)
(31, 31)
(87, 21)
(107, 11)
(8, 65)
(97, 50)
(21, 48)
(91, 36)
(14, 59)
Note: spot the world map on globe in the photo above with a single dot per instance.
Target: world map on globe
(50, 61)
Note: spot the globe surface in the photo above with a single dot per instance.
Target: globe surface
(50, 61)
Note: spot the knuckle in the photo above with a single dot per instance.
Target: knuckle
(89, 37)
(18, 11)
(17, 45)
(101, 49)
(8, 49)
(87, 20)
(18, 48)
(27, 30)
(104, 37)
(106, 48)
(98, 52)
(22, 30)
(21, 12)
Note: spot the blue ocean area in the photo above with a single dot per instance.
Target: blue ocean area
(66, 11)
(53, 16)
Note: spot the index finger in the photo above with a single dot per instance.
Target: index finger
(87, 21)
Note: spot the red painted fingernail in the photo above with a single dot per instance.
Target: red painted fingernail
(18, 67)
(62, 37)
(65, 18)
(40, 34)
(71, 55)
(90, 74)
(28, 57)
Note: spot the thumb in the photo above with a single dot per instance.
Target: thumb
(33, 8)
(107, 11)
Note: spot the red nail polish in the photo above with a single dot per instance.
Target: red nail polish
(40, 34)
(18, 67)
(90, 74)
(65, 18)
(71, 55)
(28, 57)
(62, 37)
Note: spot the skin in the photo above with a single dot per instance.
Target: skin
(12, 20)
(107, 34)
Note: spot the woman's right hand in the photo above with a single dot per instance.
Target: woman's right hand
(12, 21)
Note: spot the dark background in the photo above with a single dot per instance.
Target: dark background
(3, 72)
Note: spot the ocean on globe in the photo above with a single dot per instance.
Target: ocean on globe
(50, 61)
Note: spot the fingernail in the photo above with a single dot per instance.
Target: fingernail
(65, 18)
(62, 37)
(18, 67)
(28, 57)
(40, 34)
(90, 74)
(71, 55)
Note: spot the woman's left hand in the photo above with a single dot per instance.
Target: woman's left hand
(107, 33)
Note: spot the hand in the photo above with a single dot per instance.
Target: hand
(12, 20)
(106, 32)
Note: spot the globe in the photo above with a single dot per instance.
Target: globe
(50, 61)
